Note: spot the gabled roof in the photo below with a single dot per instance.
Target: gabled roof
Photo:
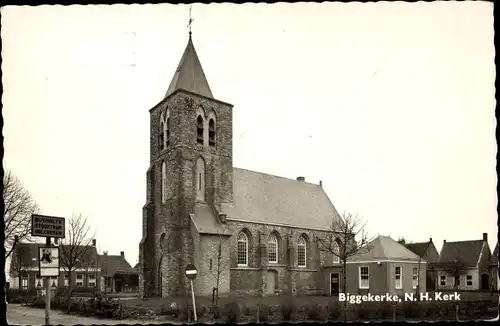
(189, 74)
(385, 248)
(465, 251)
(419, 248)
(115, 264)
(265, 198)
(494, 256)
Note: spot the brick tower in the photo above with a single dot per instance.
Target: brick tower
(190, 164)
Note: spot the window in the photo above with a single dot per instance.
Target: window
(200, 179)
(199, 128)
(301, 252)
(442, 280)
(161, 139)
(79, 280)
(168, 131)
(398, 282)
(336, 259)
(24, 283)
(469, 280)
(272, 249)
(92, 280)
(53, 281)
(414, 280)
(364, 278)
(242, 249)
(38, 281)
(163, 181)
(66, 280)
(211, 133)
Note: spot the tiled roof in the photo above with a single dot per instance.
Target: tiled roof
(384, 247)
(115, 264)
(494, 256)
(465, 251)
(265, 198)
(29, 254)
(189, 74)
(419, 248)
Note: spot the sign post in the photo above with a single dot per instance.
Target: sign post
(191, 273)
(48, 256)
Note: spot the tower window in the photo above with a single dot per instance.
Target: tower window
(163, 181)
(211, 133)
(168, 131)
(161, 138)
(200, 179)
(199, 127)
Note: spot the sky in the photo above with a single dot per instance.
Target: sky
(390, 105)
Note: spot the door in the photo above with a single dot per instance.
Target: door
(485, 282)
(334, 283)
(118, 285)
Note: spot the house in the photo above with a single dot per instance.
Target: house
(117, 275)
(464, 265)
(24, 268)
(386, 266)
(428, 252)
(495, 278)
(246, 232)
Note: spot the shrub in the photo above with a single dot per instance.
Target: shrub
(385, 311)
(232, 311)
(334, 311)
(316, 313)
(216, 311)
(264, 312)
(20, 296)
(363, 311)
(412, 309)
(287, 311)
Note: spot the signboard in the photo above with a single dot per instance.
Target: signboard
(191, 272)
(47, 226)
(48, 261)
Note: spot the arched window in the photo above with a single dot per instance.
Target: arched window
(161, 138)
(242, 249)
(200, 179)
(335, 248)
(199, 128)
(211, 132)
(167, 126)
(272, 249)
(163, 181)
(301, 252)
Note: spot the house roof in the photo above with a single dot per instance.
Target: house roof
(384, 247)
(465, 251)
(115, 264)
(265, 198)
(189, 74)
(28, 253)
(494, 256)
(419, 248)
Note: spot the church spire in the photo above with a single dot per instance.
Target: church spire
(189, 74)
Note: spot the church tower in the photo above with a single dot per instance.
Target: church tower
(190, 166)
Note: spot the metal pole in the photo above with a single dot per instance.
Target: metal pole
(47, 293)
(194, 303)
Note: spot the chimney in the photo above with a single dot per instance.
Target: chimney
(122, 253)
(444, 241)
(402, 241)
(430, 239)
(485, 237)
(222, 218)
(321, 183)
(301, 179)
(94, 242)
(105, 253)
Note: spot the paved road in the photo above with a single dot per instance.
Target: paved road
(22, 315)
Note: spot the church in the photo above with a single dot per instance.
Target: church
(246, 232)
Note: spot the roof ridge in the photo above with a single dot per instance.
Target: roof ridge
(276, 176)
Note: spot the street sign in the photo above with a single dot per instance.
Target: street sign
(191, 272)
(47, 226)
(48, 261)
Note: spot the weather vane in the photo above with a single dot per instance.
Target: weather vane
(190, 21)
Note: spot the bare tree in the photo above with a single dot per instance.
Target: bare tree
(340, 241)
(18, 265)
(19, 205)
(219, 262)
(76, 247)
(454, 268)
